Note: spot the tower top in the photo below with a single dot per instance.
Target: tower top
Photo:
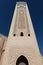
(20, 23)
(21, 3)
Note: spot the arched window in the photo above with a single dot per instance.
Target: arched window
(21, 34)
(22, 60)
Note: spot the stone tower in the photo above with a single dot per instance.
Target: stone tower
(21, 46)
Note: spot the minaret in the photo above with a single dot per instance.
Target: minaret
(21, 47)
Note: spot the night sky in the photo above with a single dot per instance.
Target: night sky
(36, 11)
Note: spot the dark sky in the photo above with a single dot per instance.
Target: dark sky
(36, 11)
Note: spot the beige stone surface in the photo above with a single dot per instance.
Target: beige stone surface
(25, 45)
(2, 43)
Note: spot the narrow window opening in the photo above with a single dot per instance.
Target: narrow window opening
(28, 34)
(21, 34)
(14, 34)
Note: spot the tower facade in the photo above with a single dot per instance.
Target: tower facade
(21, 46)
